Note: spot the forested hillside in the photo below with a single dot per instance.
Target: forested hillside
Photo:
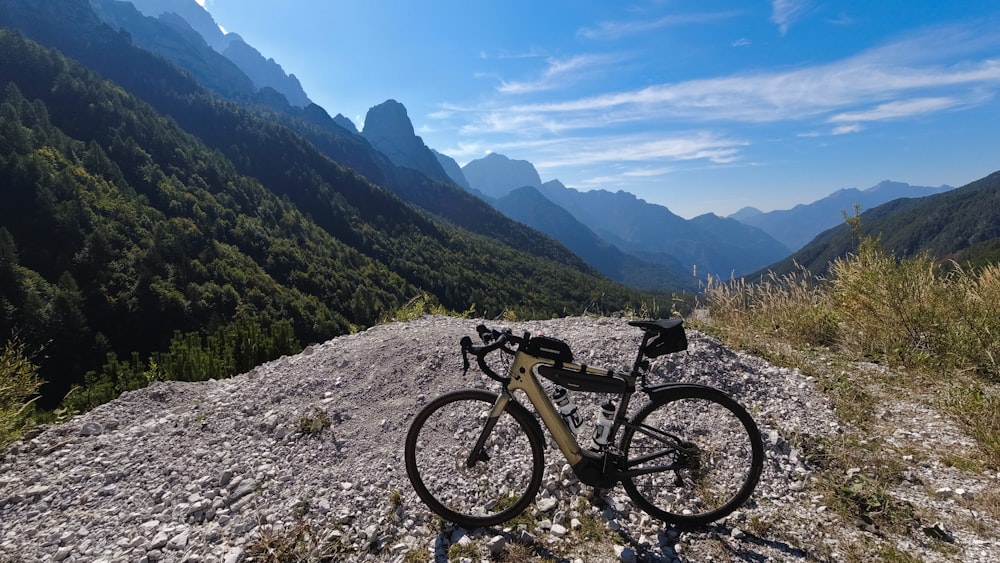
(127, 244)
(961, 225)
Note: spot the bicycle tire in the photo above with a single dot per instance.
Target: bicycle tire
(439, 442)
(721, 471)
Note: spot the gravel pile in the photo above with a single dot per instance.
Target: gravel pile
(211, 471)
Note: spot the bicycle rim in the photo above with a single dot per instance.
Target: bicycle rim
(703, 451)
(501, 484)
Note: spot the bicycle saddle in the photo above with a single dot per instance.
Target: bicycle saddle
(659, 325)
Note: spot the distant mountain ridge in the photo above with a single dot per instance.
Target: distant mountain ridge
(263, 72)
(797, 226)
(962, 224)
(527, 205)
(496, 175)
(704, 245)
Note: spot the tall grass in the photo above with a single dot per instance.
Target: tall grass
(941, 321)
(797, 308)
(908, 312)
(19, 383)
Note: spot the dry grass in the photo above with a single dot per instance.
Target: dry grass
(928, 333)
(19, 384)
(937, 324)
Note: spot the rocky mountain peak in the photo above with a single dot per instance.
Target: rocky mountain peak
(496, 175)
(195, 15)
(388, 129)
(388, 119)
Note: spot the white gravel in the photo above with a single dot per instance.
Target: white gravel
(198, 471)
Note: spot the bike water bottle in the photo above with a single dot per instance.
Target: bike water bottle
(605, 420)
(567, 409)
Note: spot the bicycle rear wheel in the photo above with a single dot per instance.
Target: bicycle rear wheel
(699, 452)
(504, 479)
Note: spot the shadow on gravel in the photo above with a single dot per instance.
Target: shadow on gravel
(671, 545)
(747, 547)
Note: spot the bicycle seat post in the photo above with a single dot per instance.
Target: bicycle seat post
(641, 366)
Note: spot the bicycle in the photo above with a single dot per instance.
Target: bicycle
(690, 456)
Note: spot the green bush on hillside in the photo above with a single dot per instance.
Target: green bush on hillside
(19, 383)
(907, 312)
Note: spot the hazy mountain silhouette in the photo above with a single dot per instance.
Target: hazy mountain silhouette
(529, 206)
(707, 244)
(797, 226)
(263, 72)
(495, 175)
(961, 224)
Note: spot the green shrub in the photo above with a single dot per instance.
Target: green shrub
(19, 383)
(887, 304)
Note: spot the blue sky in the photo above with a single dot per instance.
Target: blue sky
(703, 106)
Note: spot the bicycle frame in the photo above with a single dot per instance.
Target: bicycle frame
(599, 469)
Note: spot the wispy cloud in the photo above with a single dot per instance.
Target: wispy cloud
(619, 29)
(649, 131)
(847, 129)
(898, 109)
(805, 93)
(559, 73)
(785, 12)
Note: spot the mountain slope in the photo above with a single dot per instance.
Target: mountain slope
(170, 36)
(705, 245)
(262, 71)
(951, 225)
(530, 207)
(708, 243)
(114, 211)
(83, 36)
(797, 226)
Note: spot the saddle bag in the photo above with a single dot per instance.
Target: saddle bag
(667, 341)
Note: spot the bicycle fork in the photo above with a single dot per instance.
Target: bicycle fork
(478, 452)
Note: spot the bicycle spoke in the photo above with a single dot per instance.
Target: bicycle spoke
(693, 457)
(470, 488)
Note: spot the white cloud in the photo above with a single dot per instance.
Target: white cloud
(846, 129)
(898, 109)
(559, 73)
(619, 29)
(659, 126)
(799, 94)
(785, 12)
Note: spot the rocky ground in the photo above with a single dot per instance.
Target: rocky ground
(217, 471)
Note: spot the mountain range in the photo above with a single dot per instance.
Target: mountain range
(960, 225)
(797, 226)
(157, 168)
(149, 226)
(665, 251)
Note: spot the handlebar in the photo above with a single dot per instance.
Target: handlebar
(494, 340)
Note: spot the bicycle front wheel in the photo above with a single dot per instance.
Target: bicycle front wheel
(504, 478)
(695, 456)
